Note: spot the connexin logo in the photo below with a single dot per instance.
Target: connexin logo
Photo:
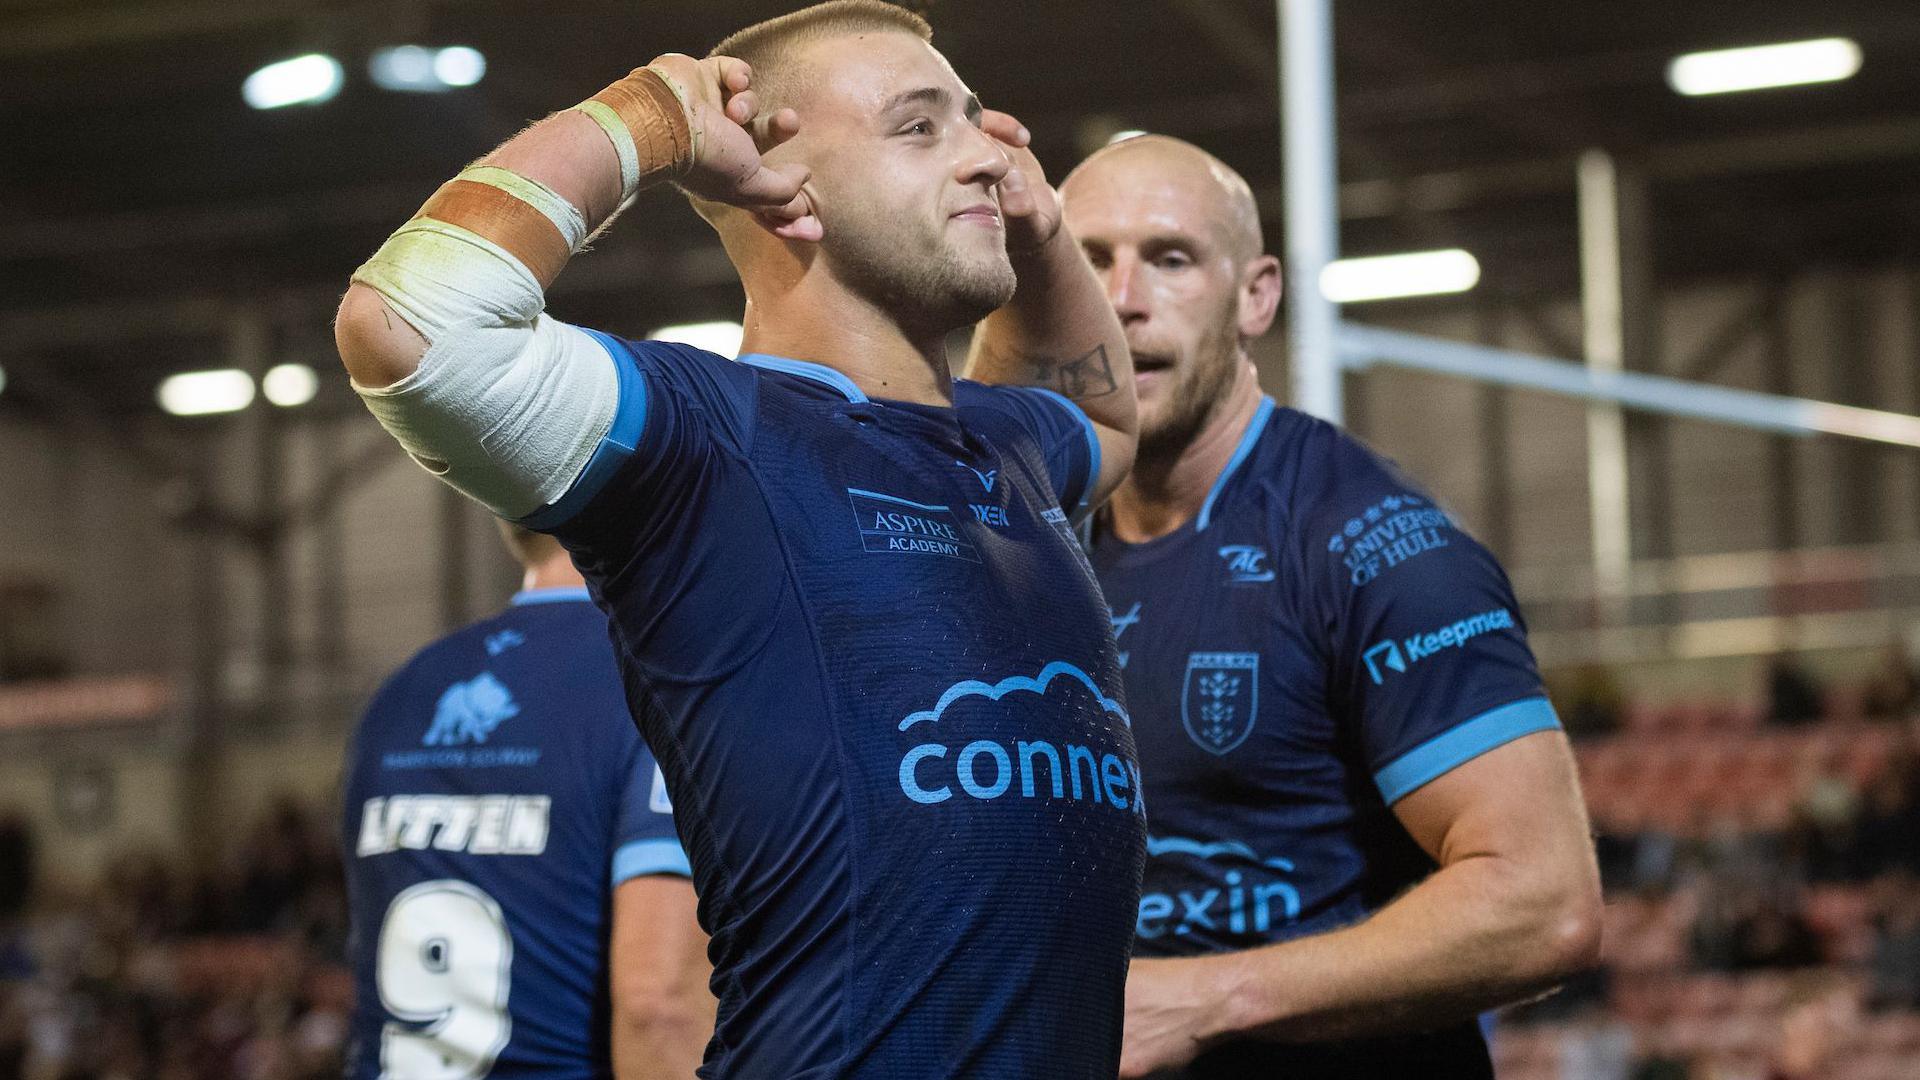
(1398, 656)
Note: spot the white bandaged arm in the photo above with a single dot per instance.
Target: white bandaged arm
(509, 404)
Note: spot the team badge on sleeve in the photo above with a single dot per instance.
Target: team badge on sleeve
(1219, 699)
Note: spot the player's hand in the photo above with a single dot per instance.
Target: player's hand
(1029, 205)
(1166, 1009)
(722, 112)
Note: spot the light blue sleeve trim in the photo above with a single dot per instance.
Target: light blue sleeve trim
(1448, 751)
(1247, 439)
(616, 446)
(643, 857)
(1093, 442)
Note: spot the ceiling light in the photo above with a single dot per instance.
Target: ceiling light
(303, 80)
(721, 337)
(198, 393)
(418, 69)
(290, 385)
(459, 65)
(1123, 136)
(1385, 277)
(1794, 63)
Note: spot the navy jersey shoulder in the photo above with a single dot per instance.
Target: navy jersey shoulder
(496, 791)
(1320, 641)
(878, 674)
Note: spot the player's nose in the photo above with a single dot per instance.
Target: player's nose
(982, 161)
(1125, 289)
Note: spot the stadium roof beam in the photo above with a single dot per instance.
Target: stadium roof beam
(1363, 346)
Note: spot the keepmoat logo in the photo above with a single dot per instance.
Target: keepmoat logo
(1395, 657)
(1248, 898)
(987, 769)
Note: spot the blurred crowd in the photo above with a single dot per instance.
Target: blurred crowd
(233, 974)
(1763, 881)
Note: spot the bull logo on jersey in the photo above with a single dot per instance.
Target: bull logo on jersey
(1220, 699)
(469, 711)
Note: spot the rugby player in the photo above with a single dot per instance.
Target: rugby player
(846, 597)
(1364, 821)
(520, 904)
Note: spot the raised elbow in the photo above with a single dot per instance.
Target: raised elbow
(377, 347)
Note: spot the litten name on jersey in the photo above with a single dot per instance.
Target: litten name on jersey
(475, 824)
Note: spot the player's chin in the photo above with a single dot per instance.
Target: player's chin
(987, 276)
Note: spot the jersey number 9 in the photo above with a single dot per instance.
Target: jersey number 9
(443, 972)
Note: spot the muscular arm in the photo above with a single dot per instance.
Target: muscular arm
(1513, 910)
(662, 1011)
(443, 330)
(569, 154)
(1059, 331)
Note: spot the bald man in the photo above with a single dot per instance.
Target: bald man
(1364, 824)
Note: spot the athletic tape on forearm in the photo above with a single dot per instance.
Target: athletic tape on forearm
(645, 118)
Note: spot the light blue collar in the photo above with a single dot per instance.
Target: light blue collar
(556, 595)
(1247, 440)
(805, 369)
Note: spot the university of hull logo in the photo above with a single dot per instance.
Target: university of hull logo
(469, 711)
(1246, 565)
(1220, 699)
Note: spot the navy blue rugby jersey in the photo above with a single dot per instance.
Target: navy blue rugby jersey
(879, 676)
(495, 793)
(1320, 641)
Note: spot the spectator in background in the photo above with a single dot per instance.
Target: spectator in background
(1793, 695)
(1895, 965)
(281, 863)
(1775, 935)
(16, 885)
(1824, 826)
(1748, 928)
(1887, 834)
(16, 868)
(1817, 1022)
(1894, 693)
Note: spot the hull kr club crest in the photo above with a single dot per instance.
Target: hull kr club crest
(1219, 700)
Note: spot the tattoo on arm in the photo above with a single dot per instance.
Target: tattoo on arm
(1088, 375)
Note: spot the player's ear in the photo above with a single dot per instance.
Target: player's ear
(1259, 295)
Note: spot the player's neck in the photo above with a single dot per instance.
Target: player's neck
(554, 573)
(1167, 490)
(817, 320)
